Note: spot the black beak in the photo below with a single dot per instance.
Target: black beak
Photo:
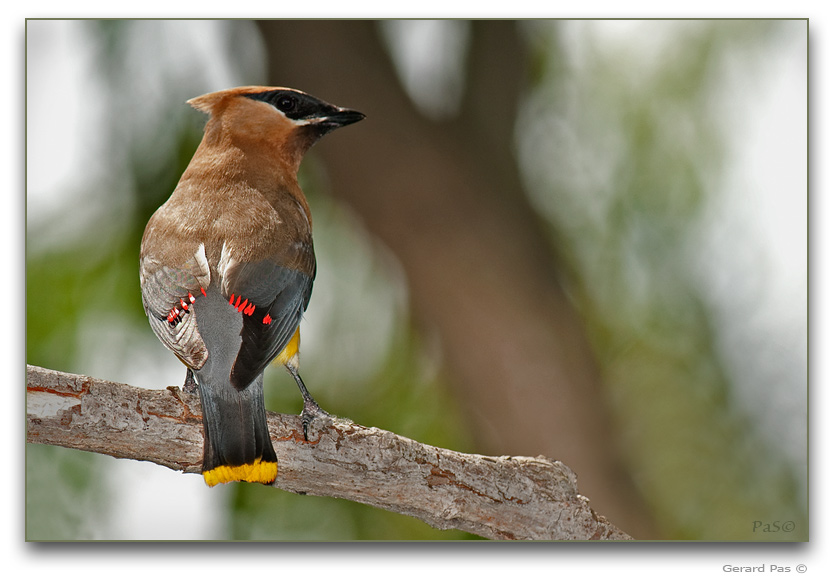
(340, 118)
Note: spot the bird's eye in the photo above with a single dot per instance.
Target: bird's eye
(286, 104)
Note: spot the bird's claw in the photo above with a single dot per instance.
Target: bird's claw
(190, 385)
(311, 412)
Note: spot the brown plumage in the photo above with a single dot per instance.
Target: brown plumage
(227, 265)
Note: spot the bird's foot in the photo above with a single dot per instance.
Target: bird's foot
(311, 408)
(190, 385)
(310, 412)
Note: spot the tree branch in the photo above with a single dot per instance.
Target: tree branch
(530, 498)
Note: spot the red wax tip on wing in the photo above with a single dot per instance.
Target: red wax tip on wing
(203, 290)
(232, 299)
(250, 309)
(242, 304)
(267, 318)
(237, 305)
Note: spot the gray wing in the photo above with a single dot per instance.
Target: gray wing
(167, 295)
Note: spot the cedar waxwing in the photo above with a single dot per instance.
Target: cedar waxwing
(227, 266)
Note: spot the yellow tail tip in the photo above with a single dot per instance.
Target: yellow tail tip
(257, 472)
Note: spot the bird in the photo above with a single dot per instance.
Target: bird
(226, 267)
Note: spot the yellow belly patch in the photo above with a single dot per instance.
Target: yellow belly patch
(289, 356)
(257, 472)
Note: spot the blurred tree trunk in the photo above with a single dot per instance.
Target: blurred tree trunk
(446, 198)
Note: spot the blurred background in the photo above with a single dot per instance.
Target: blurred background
(579, 239)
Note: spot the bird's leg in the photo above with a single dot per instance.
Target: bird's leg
(311, 408)
(190, 385)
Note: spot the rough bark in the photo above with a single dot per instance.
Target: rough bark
(523, 498)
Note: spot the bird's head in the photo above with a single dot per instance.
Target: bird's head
(279, 120)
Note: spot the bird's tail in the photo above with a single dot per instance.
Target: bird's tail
(236, 445)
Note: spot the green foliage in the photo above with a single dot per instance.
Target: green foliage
(65, 495)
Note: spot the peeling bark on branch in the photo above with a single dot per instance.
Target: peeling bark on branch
(530, 498)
